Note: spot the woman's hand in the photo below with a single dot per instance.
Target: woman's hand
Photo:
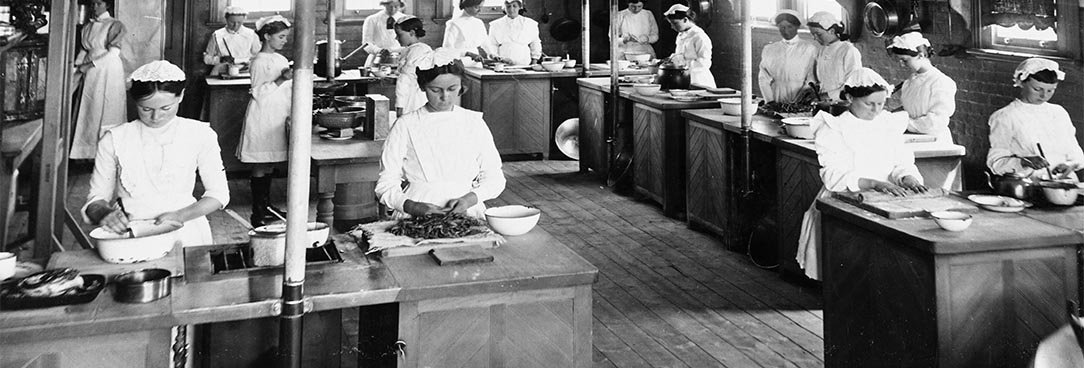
(461, 204)
(913, 184)
(473, 56)
(419, 209)
(886, 187)
(1063, 168)
(113, 220)
(1034, 162)
(84, 67)
(172, 219)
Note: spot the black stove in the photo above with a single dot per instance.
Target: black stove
(238, 257)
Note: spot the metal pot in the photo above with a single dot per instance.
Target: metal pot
(672, 76)
(142, 286)
(269, 242)
(392, 58)
(1010, 185)
(350, 101)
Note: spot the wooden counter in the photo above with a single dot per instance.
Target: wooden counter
(530, 273)
(517, 107)
(906, 293)
(786, 180)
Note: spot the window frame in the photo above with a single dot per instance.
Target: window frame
(218, 9)
(1068, 44)
(798, 5)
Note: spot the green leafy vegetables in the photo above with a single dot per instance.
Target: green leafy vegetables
(438, 226)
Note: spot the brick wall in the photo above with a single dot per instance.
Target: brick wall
(984, 83)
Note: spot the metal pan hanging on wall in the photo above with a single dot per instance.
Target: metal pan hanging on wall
(565, 29)
(885, 17)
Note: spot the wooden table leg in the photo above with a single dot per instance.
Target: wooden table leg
(325, 208)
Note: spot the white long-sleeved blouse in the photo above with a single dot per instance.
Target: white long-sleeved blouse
(241, 45)
(641, 26)
(1016, 128)
(441, 156)
(834, 63)
(375, 34)
(930, 100)
(694, 51)
(850, 148)
(465, 33)
(408, 95)
(785, 68)
(515, 38)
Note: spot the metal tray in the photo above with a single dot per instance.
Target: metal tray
(92, 285)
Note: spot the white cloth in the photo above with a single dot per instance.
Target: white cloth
(834, 63)
(676, 8)
(263, 137)
(376, 36)
(103, 103)
(442, 156)
(930, 100)
(1059, 350)
(158, 71)
(1016, 128)
(786, 66)
(242, 45)
(1032, 66)
(866, 77)
(694, 51)
(909, 41)
(515, 38)
(408, 95)
(641, 26)
(154, 171)
(849, 149)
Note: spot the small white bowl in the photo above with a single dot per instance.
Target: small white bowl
(7, 265)
(679, 92)
(951, 220)
(638, 57)
(512, 220)
(150, 242)
(798, 127)
(570, 63)
(553, 66)
(647, 89)
(732, 105)
(621, 64)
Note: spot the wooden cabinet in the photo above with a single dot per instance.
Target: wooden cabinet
(797, 181)
(134, 349)
(659, 156)
(707, 177)
(593, 145)
(517, 112)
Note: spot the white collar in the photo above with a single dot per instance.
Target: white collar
(791, 42)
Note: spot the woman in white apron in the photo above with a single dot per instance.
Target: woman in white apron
(377, 35)
(693, 46)
(861, 149)
(151, 163)
(837, 58)
(263, 136)
(102, 104)
(408, 96)
(466, 33)
(514, 37)
(928, 96)
(637, 30)
(786, 66)
(443, 153)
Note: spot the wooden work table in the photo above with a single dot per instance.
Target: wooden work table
(529, 273)
(907, 293)
(518, 107)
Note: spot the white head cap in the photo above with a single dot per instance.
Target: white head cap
(866, 77)
(909, 41)
(235, 10)
(825, 19)
(1032, 66)
(790, 12)
(270, 19)
(158, 71)
(676, 8)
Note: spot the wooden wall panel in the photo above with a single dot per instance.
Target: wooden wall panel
(130, 349)
(648, 156)
(707, 181)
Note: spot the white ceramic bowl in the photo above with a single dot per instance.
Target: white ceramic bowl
(552, 58)
(732, 105)
(1060, 196)
(951, 220)
(638, 57)
(679, 92)
(646, 89)
(798, 127)
(150, 242)
(570, 63)
(621, 64)
(553, 66)
(512, 220)
(7, 265)
(317, 232)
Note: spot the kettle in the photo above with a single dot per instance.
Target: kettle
(673, 76)
(1010, 185)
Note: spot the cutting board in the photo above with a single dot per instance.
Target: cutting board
(918, 138)
(88, 261)
(424, 249)
(905, 207)
(461, 255)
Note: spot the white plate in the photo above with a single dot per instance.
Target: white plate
(998, 203)
(330, 138)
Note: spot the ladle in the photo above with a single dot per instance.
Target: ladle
(273, 212)
(1049, 173)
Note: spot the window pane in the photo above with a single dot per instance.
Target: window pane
(763, 9)
(499, 3)
(814, 6)
(1031, 38)
(263, 5)
(362, 4)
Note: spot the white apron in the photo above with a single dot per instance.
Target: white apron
(103, 103)
(263, 137)
(408, 95)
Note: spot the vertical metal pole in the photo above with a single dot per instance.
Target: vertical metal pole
(585, 37)
(615, 137)
(746, 90)
(297, 197)
(332, 44)
(56, 128)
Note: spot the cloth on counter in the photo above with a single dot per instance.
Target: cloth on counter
(930, 100)
(694, 51)
(642, 27)
(408, 95)
(786, 66)
(103, 103)
(515, 38)
(154, 171)
(263, 136)
(376, 235)
(442, 156)
(1016, 128)
(241, 45)
(834, 63)
(848, 149)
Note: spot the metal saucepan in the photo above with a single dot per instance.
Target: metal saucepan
(142, 286)
(1010, 185)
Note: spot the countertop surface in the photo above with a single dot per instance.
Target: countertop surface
(660, 101)
(534, 260)
(350, 75)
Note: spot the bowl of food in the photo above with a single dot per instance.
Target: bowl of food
(553, 66)
(647, 89)
(144, 241)
(1060, 192)
(798, 127)
(732, 105)
(339, 117)
(512, 220)
(570, 63)
(951, 220)
(638, 57)
(552, 58)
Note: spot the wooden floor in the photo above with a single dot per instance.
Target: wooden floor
(666, 296)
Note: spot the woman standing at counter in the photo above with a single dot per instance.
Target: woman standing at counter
(232, 44)
(928, 96)
(786, 65)
(377, 35)
(693, 46)
(514, 37)
(443, 152)
(637, 30)
(466, 33)
(862, 149)
(1016, 129)
(151, 163)
(837, 59)
(102, 104)
(263, 137)
(408, 96)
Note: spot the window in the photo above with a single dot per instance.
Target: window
(1030, 27)
(255, 8)
(764, 11)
